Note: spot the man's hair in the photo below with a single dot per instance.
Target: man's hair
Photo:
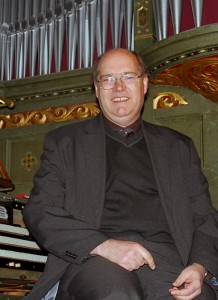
(141, 65)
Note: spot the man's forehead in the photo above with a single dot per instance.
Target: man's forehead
(114, 61)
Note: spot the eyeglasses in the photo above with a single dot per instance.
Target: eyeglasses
(128, 79)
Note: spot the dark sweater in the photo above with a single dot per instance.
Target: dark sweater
(131, 200)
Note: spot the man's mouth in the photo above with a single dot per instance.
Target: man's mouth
(120, 99)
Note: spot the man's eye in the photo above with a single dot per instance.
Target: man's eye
(107, 79)
(128, 77)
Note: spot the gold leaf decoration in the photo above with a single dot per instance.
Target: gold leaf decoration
(199, 75)
(142, 16)
(168, 100)
(7, 102)
(28, 161)
(53, 114)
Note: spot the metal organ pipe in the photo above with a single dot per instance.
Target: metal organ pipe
(32, 30)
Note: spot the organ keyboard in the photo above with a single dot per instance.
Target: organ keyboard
(17, 247)
(14, 230)
(22, 261)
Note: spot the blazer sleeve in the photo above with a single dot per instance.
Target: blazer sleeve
(204, 248)
(47, 213)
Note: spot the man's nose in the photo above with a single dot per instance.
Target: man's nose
(119, 85)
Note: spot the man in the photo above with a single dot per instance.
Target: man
(121, 205)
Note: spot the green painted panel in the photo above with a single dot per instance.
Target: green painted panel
(198, 120)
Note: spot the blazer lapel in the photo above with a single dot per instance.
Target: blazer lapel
(170, 197)
(94, 146)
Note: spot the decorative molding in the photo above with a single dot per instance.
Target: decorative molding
(7, 103)
(53, 114)
(143, 15)
(28, 161)
(199, 75)
(183, 57)
(179, 48)
(52, 94)
(168, 100)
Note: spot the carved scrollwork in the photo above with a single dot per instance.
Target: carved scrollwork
(199, 75)
(53, 114)
(7, 102)
(168, 100)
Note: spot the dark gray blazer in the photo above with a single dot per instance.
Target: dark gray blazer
(65, 206)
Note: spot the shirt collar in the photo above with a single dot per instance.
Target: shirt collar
(124, 131)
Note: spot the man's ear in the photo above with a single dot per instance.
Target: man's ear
(145, 83)
(96, 89)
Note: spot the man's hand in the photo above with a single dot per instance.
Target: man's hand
(189, 283)
(127, 254)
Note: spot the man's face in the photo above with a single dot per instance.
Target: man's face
(121, 104)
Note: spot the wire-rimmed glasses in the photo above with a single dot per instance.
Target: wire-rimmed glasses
(128, 79)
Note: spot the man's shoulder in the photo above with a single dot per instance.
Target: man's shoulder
(75, 127)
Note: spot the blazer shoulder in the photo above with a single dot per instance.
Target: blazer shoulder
(75, 128)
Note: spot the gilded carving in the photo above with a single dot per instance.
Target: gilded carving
(53, 114)
(142, 16)
(168, 100)
(28, 161)
(7, 102)
(199, 75)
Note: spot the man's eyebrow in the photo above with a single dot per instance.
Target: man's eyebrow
(115, 74)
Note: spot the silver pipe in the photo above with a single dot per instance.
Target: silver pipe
(98, 29)
(92, 5)
(176, 11)
(10, 46)
(162, 13)
(25, 37)
(71, 33)
(115, 21)
(6, 11)
(13, 13)
(41, 47)
(86, 36)
(24, 50)
(121, 23)
(104, 22)
(41, 35)
(128, 19)
(102, 25)
(18, 55)
(18, 41)
(33, 45)
(133, 40)
(49, 41)
(1, 11)
(33, 36)
(4, 32)
(80, 10)
(3, 53)
(157, 20)
(58, 35)
(49, 36)
(197, 9)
